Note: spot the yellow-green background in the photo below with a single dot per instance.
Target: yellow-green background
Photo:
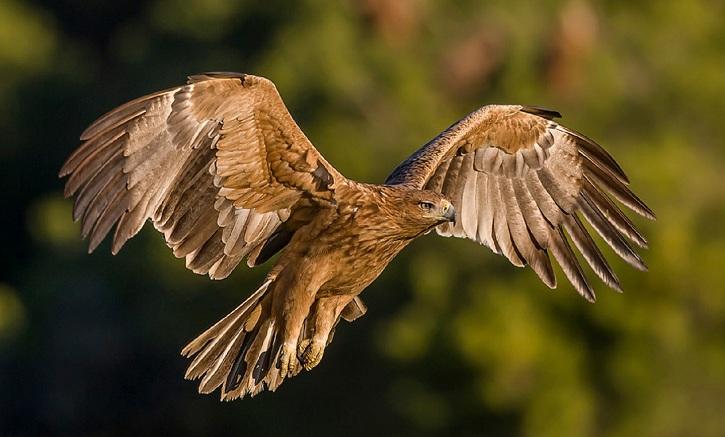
(456, 341)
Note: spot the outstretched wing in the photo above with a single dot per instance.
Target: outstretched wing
(218, 165)
(520, 182)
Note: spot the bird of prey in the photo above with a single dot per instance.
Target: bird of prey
(224, 172)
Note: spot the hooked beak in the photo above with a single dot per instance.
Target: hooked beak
(449, 213)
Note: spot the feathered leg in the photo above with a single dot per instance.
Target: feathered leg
(321, 321)
(292, 310)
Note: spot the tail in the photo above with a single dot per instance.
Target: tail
(240, 352)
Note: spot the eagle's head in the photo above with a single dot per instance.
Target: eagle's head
(417, 211)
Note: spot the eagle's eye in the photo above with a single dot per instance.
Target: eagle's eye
(426, 206)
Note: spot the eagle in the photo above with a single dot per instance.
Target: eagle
(222, 170)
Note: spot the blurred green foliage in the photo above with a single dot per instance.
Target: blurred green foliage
(456, 341)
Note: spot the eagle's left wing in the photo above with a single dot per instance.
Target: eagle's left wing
(519, 182)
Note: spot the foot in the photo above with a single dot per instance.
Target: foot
(310, 352)
(289, 365)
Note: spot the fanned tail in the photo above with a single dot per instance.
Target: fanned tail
(240, 352)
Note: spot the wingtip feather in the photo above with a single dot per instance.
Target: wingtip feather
(541, 111)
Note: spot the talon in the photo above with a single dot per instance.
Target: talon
(288, 362)
(302, 347)
(311, 353)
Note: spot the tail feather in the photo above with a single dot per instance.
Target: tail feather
(214, 376)
(239, 352)
(251, 368)
(212, 352)
(195, 345)
(213, 339)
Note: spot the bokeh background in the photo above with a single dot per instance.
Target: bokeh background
(456, 341)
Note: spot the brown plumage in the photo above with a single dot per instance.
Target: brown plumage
(223, 171)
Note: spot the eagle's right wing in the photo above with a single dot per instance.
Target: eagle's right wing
(218, 165)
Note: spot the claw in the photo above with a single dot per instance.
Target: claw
(289, 365)
(310, 352)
